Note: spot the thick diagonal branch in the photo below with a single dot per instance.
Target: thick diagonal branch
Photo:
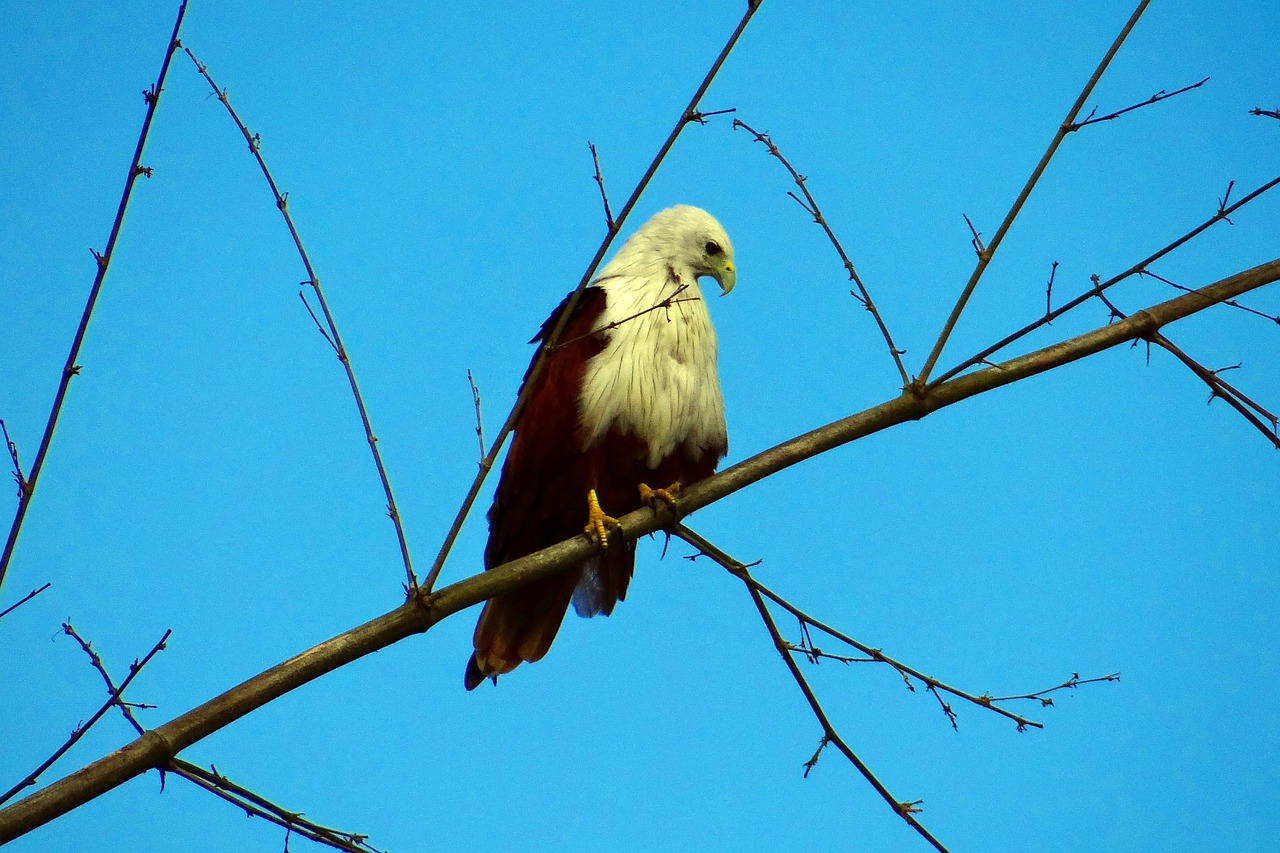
(423, 611)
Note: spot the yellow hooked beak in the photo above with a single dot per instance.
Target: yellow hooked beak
(727, 277)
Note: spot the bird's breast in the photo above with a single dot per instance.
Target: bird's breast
(656, 377)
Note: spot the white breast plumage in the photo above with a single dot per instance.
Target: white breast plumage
(656, 378)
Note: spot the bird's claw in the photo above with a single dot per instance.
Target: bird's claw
(667, 496)
(598, 522)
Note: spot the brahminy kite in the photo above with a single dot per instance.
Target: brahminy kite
(626, 408)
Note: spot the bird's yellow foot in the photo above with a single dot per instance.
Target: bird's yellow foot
(598, 523)
(667, 495)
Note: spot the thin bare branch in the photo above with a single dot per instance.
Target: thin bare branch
(984, 257)
(810, 205)
(419, 614)
(126, 708)
(905, 810)
(604, 196)
(1141, 267)
(319, 326)
(70, 369)
(335, 339)
(668, 301)
(873, 654)
(255, 805)
(79, 731)
(975, 239)
(1156, 98)
(1048, 290)
(23, 600)
(217, 784)
(1273, 318)
(1258, 111)
(1042, 696)
(1218, 387)
(24, 488)
(689, 115)
(475, 398)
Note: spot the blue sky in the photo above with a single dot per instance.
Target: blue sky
(209, 473)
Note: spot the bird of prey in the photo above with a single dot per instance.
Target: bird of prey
(626, 408)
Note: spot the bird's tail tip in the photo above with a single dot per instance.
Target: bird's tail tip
(475, 675)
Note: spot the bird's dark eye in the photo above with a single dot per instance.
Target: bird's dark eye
(713, 248)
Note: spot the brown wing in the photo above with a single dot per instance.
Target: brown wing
(541, 499)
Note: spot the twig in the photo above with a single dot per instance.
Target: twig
(253, 804)
(95, 659)
(667, 301)
(335, 339)
(810, 206)
(23, 600)
(79, 731)
(1042, 696)
(1156, 98)
(690, 114)
(815, 654)
(1140, 267)
(1273, 318)
(904, 809)
(256, 805)
(1219, 387)
(604, 197)
(1226, 197)
(1048, 291)
(984, 258)
(302, 294)
(975, 240)
(907, 672)
(1258, 111)
(152, 98)
(817, 753)
(475, 398)
(24, 488)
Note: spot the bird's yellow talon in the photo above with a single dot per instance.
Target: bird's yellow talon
(667, 495)
(598, 523)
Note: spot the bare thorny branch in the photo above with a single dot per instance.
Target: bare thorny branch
(1156, 98)
(1234, 304)
(475, 398)
(810, 206)
(215, 783)
(1218, 387)
(1142, 267)
(1042, 696)
(329, 329)
(27, 485)
(80, 730)
(987, 252)
(24, 600)
(907, 810)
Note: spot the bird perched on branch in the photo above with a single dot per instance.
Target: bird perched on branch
(625, 408)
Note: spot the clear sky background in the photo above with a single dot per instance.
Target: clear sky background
(209, 473)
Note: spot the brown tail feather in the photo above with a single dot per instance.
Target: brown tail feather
(519, 627)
